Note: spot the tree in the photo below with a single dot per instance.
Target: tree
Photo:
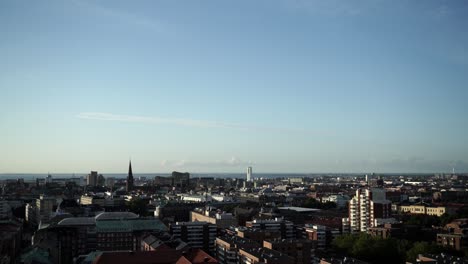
(422, 247)
(138, 206)
(373, 249)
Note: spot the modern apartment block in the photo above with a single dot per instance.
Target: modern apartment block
(368, 205)
(196, 234)
(249, 174)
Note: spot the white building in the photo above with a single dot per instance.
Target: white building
(194, 198)
(367, 206)
(340, 200)
(30, 213)
(249, 174)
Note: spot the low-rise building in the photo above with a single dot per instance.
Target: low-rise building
(227, 248)
(220, 219)
(301, 250)
(455, 235)
(263, 255)
(341, 200)
(258, 235)
(425, 209)
(285, 227)
(323, 235)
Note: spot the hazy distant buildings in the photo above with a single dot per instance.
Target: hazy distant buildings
(180, 179)
(110, 182)
(249, 174)
(92, 178)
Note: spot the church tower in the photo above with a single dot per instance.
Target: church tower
(130, 178)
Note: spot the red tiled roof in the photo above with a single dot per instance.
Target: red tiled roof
(144, 257)
(198, 256)
(183, 260)
(159, 256)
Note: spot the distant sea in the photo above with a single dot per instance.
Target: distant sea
(31, 176)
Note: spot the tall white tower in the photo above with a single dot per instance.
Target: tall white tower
(249, 174)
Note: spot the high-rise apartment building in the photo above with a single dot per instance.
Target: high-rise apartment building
(366, 208)
(92, 178)
(249, 174)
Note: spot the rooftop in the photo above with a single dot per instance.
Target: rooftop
(299, 209)
(115, 215)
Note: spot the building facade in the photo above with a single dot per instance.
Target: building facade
(285, 227)
(368, 205)
(92, 178)
(196, 234)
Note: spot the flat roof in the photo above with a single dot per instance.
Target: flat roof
(299, 209)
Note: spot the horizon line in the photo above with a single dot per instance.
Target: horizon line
(261, 172)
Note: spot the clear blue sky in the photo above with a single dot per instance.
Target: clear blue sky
(216, 86)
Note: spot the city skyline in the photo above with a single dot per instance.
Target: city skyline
(280, 86)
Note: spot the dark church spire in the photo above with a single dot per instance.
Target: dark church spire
(130, 178)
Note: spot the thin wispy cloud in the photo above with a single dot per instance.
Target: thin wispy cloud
(118, 15)
(232, 162)
(178, 122)
(331, 7)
